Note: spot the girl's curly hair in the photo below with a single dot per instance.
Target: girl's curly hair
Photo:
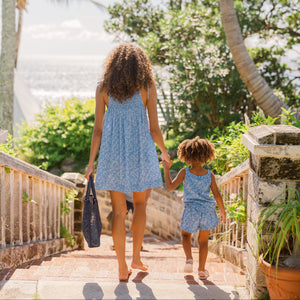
(196, 150)
(127, 70)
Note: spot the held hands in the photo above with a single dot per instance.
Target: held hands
(166, 157)
(166, 165)
(222, 216)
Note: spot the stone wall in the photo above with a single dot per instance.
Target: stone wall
(274, 166)
(164, 210)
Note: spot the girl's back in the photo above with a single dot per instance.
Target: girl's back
(197, 190)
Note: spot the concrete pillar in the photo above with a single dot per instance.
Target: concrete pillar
(274, 166)
(3, 136)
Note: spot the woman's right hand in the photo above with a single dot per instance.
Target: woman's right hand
(89, 172)
(165, 156)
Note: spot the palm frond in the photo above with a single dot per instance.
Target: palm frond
(99, 5)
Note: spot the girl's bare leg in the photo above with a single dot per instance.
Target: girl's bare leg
(118, 201)
(203, 248)
(186, 244)
(138, 227)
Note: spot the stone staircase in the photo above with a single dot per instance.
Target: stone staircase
(92, 274)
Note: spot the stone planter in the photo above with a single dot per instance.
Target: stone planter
(283, 283)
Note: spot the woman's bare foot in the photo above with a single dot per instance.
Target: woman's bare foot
(139, 266)
(123, 276)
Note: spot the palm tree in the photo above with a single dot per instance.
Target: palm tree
(262, 93)
(21, 5)
(7, 63)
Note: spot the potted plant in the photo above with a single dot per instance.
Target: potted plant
(279, 242)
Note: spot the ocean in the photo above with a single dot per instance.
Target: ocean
(52, 79)
(55, 78)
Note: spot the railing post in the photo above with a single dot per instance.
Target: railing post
(77, 211)
(274, 166)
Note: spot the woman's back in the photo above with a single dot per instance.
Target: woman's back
(128, 159)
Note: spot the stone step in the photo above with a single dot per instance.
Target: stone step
(92, 273)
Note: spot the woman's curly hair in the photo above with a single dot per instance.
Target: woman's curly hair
(127, 70)
(196, 150)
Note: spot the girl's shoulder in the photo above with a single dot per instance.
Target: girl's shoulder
(181, 173)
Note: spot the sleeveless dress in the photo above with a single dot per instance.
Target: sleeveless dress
(128, 159)
(199, 207)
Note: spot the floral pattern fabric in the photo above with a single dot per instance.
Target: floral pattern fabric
(128, 160)
(199, 207)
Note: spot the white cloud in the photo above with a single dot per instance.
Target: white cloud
(71, 30)
(71, 24)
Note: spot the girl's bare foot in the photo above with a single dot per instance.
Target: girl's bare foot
(139, 266)
(123, 276)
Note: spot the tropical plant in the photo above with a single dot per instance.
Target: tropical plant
(278, 229)
(237, 210)
(61, 131)
(65, 206)
(259, 88)
(65, 233)
(8, 146)
(7, 59)
(186, 39)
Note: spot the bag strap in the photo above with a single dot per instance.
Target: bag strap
(91, 181)
(89, 187)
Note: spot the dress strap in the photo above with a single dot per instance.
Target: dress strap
(98, 85)
(147, 92)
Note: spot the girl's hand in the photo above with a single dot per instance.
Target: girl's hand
(222, 216)
(165, 164)
(166, 157)
(89, 172)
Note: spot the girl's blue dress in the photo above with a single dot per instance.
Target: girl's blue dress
(199, 208)
(128, 160)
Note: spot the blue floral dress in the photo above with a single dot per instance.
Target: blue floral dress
(128, 160)
(199, 208)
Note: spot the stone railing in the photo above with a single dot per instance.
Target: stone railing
(234, 186)
(229, 239)
(30, 211)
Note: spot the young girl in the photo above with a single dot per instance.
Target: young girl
(199, 208)
(128, 160)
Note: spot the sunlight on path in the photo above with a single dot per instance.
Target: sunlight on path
(92, 273)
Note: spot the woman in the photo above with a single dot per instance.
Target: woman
(128, 160)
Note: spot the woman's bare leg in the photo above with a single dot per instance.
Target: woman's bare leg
(118, 201)
(203, 248)
(138, 227)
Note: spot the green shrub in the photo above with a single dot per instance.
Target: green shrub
(8, 147)
(59, 132)
(64, 233)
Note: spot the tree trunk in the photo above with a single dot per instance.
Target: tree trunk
(7, 62)
(20, 20)
(262, 93)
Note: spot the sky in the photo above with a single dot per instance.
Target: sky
(50, 28)
(77, 28)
